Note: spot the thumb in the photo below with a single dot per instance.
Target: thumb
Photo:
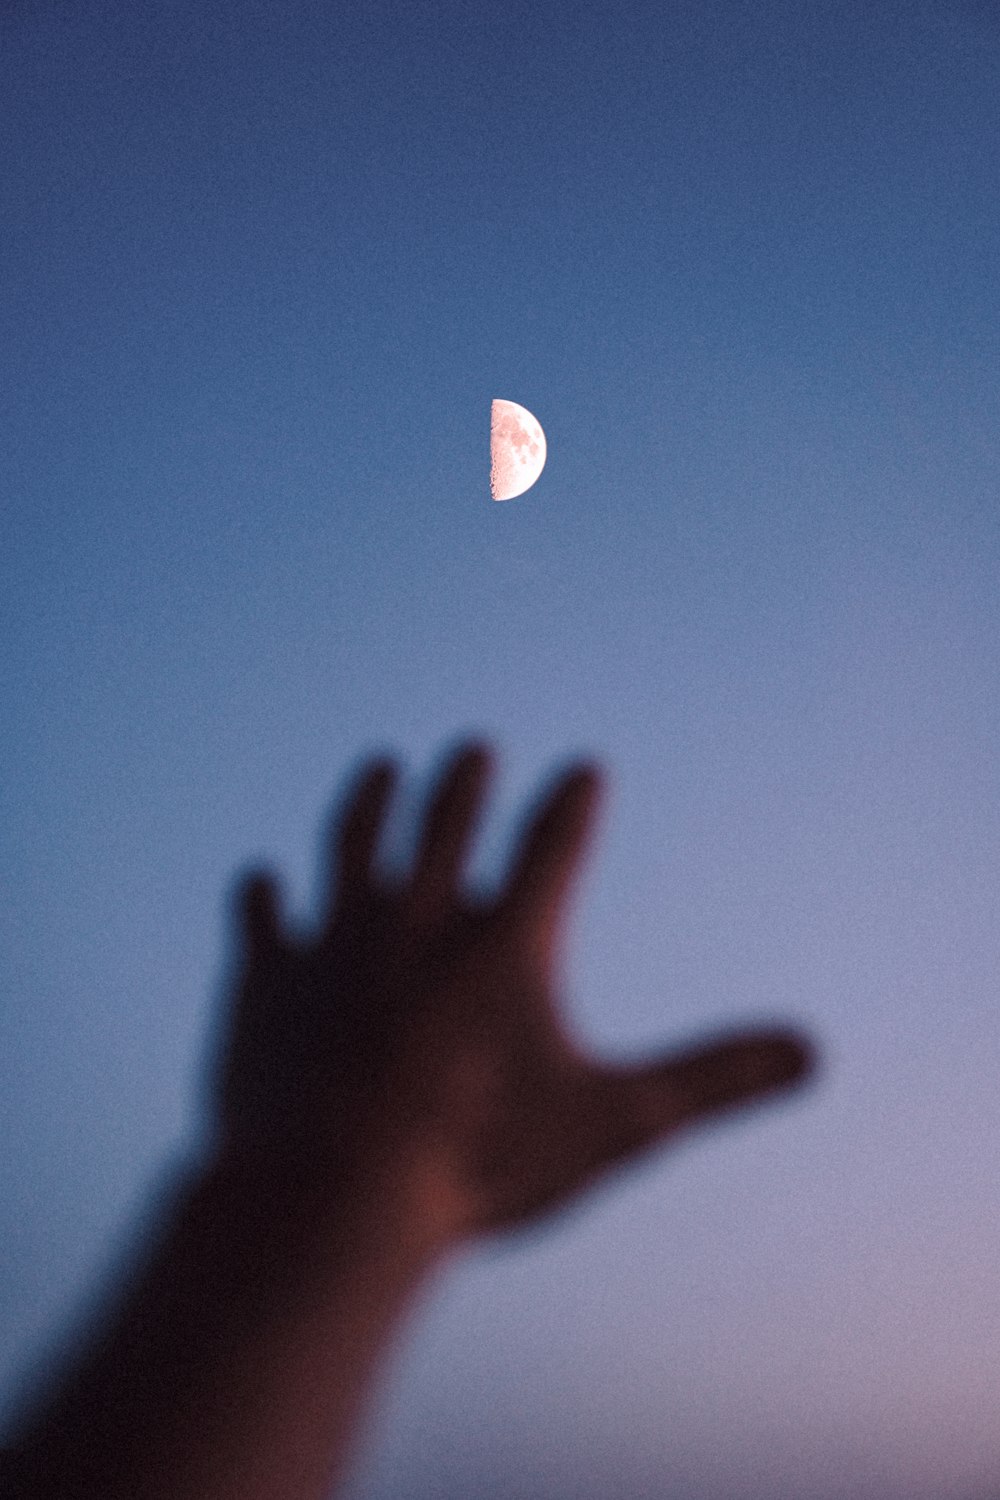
(643, 1105)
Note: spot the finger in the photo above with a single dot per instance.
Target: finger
(447, 832)
(259, 914)
(645, 1104)
(551, 853)
(356, 835)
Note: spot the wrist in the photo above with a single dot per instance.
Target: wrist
(313, 1224)
(246, 1342)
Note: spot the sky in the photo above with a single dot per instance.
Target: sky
(262, 271)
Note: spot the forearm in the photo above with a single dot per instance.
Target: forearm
(239, 1363)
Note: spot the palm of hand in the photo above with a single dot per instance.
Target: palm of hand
(418, 1030)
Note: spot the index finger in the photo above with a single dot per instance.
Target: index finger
(551, 852)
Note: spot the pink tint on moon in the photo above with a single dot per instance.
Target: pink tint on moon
(517, 450)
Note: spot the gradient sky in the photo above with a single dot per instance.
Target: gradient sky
(262, 269)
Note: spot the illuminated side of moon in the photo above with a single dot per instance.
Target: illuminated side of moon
(517, 450)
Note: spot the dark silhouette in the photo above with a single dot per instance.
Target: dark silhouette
(388, 1090)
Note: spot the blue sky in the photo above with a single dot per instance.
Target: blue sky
(263, 270)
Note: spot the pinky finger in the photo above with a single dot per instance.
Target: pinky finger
(259, 914)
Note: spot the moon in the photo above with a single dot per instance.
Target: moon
(517, 450)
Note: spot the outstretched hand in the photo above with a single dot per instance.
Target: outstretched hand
(388, 1088)
(415, 1042)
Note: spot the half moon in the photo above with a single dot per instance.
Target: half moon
(517, 450)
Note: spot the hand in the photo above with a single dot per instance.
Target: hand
(415, 1042)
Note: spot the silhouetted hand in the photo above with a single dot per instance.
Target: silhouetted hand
(414, 1044)
(388, 1088)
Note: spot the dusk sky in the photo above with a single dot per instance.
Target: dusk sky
(263, 268)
